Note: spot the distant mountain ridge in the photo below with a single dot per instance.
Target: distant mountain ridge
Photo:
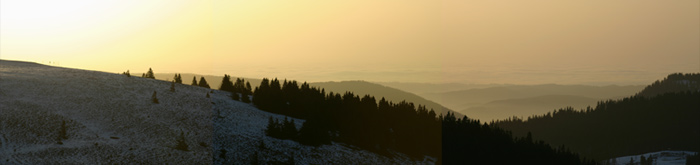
(484, 95)
(523, 107)
(480, 102)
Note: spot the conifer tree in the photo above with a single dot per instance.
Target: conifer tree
(154, 98)
(226, 84)
(194, 81)
(177, 78)
(172, 86)
(271, 129)
(248, 88)
(261, 144)
(62, 133)
(181, 142)
(150, 74)
(289, 129)
(203, 82)
(631, 161)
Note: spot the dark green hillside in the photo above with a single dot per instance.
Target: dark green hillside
(676, 82)
(615, 128)
(385, 126)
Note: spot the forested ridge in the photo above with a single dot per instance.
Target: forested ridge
(382, 126)
(643, 123)
(676, 82)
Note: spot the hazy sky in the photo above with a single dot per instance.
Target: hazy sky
(469, 41)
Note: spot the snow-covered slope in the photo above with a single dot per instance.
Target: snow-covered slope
(660, 158)
(110, 118)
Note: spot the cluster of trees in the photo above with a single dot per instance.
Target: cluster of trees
(148, 74)
(282, 130)
(614, 128)
(127, 73)
(646, 161)
(380, 125)
(177, 78)
(348, 118)
(202, 82)
(642, 161)
(240, 90)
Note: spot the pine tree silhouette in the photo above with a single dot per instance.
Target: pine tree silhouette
(181, 142)
(226, 84)
(154, 98)
(62, 133)
(150, 74)
(203, 82)
(177, 78)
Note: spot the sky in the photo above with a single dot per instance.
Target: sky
(595, 42)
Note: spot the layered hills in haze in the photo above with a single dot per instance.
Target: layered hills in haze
(505, 101)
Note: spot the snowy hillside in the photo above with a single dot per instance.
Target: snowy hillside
(660, 158)
(110, 118)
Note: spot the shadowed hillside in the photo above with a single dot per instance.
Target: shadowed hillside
(629, 126)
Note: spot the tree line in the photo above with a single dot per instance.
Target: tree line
(382, 126)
